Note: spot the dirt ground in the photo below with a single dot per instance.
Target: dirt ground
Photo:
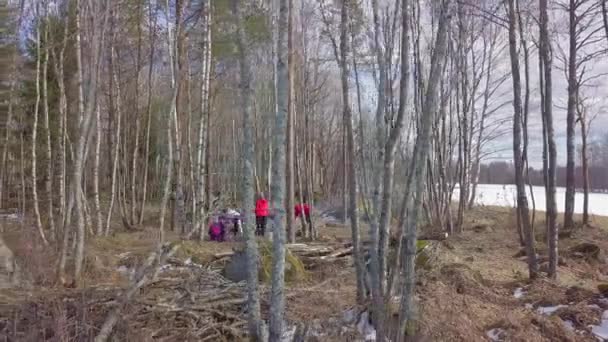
(466, 292)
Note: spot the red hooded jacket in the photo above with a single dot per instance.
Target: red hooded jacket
(261, 207)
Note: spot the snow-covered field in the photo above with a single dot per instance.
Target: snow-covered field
(504, 195)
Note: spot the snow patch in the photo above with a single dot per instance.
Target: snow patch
(123, 269)
(349, 316)
(519, 292)
(11, 217)
(496, 334)
(365, 328)
(548, 310)
(569, 325)
(288, 334)
(601, 331)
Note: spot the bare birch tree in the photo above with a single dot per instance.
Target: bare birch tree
(248, 150)
(545, 55)
(522, 200)
(418, 170)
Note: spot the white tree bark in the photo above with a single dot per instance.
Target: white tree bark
(35, 202)
(248, 150)
(417, 176)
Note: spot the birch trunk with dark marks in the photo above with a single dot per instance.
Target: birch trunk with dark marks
(278, 185)
(582, 117)
(179, 209)
(97, 203)
(389, 166)
(99, 13)
(255, 323)
(171, 47)
(62, 141)
(48, 183)
(522, 200)
(116, 138)
(571, 116)
(526, 113)
(203, 124)
(379, 235)
(289, 158)
(35, 202)
(545, 53)
(418, 173)
(152, 37)
(11, 96)
(341, 55)
(133, 219)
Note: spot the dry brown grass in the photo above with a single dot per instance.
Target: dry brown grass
(462, 305)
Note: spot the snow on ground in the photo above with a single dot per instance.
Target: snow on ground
(504, 195)
(548, 310)
(601, 331)
(519, 292)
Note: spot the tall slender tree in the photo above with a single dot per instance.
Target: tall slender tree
(522, 200)
(545, 55)
(418, 164)
(248, 154)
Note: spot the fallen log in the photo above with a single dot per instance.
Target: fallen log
(339, 253)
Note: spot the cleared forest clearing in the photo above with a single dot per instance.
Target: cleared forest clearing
(473, 286)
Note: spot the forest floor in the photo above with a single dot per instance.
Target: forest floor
(475, 289)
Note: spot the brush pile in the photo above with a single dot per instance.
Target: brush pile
(185, 302)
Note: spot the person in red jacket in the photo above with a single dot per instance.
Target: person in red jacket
(302, 210)
(261, 215)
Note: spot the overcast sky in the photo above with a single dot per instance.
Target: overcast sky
(595, 92)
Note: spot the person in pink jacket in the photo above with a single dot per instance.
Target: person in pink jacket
(261, 214)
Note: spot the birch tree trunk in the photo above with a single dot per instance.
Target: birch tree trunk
(289, 160)
(62, 141)
(389, 165)
(378, 234)
(203, 124)
(116, 141)
(35, 202)
(133, 220)
(9, 117)
(571, 116)
(98, 219)
(179, 210)
(278, 184)
(417, 175)
(522, 200)
(49, 147)
(152, 37)
(582, 117)
(99, 21)
(545, 53)
(248, 150)
(342, 59)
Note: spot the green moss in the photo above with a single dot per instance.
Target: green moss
(294, 268)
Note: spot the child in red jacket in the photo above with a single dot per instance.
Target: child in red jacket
(302, 210)
(261, 215)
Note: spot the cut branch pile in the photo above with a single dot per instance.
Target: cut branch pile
(183, 302)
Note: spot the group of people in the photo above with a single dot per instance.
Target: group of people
(262, 212)
(218, 225)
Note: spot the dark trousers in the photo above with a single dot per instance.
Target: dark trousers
(260, 225)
